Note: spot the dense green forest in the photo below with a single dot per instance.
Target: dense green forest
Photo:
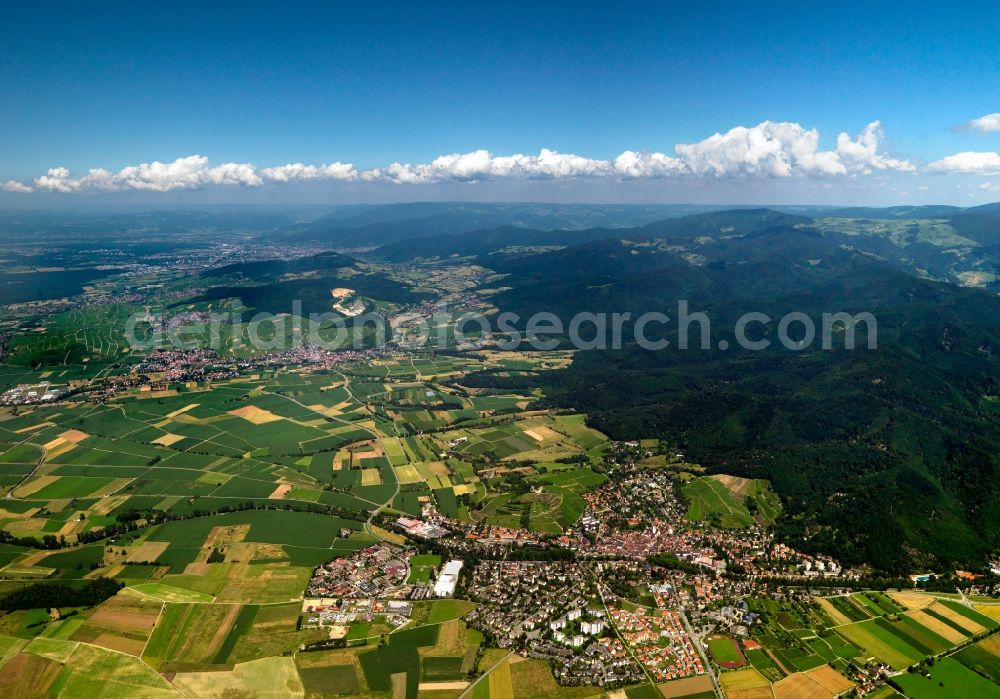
(47, 595)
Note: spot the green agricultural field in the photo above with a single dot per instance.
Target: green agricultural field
(92, 671)
(305, 534)
(881, 643)
(191, 637)
(762, 663)
(948, 679)
(982, 657)
(332, 679)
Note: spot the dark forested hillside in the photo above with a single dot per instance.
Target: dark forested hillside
(274, 285)
(889, 456)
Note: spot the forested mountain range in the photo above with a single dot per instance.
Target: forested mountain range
(888, 456)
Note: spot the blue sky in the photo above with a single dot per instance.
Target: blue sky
(262, 85)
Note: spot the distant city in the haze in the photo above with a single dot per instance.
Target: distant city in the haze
(444, 351)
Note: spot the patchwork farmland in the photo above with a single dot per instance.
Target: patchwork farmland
(224, 495)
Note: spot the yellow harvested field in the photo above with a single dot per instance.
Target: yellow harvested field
(830, 679)
(106, 505)
(942, 629)
(835, 614)
(34, 485)
(990, 610)
(325, 410)
(54, 444)
(280, 492)
(371, 476)
(501, 686)
(75, 436)
(542, 433)
(968, 624)
(407, 474)
(33, 428)
(439, 686)
(753, 693)
(147, 551)
(463, 489)
(168, 439)
(685, 687)
(800, 686)
(743, 679)
(258, 416)
(912, 600)
(189, 406)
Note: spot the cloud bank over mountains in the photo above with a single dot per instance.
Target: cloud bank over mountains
(767, 150)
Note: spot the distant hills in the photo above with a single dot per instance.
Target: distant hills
(960, 246)
(273, 286)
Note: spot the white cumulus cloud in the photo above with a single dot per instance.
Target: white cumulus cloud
(633, 166)
(298, 171)
(786, 149)
(482, 165)
(769, 149)
(15, 186)
(191, 172)
(862, 155)
(989, 123)
(967, 163)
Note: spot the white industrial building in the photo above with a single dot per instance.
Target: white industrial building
(448, 579)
